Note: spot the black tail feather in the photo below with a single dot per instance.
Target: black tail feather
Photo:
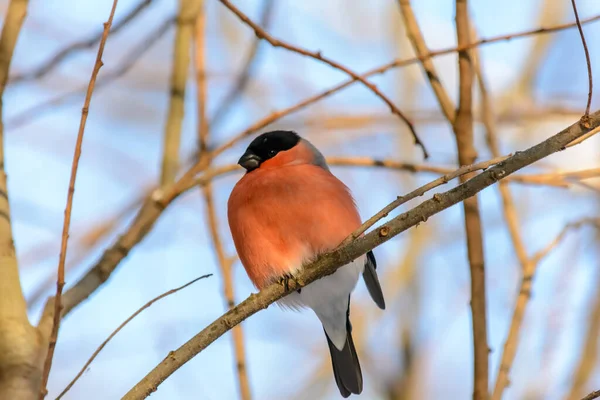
(346, 367)
(372, 282)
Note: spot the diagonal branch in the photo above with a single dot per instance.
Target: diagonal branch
(329, 262)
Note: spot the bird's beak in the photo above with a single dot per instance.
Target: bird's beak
(249, 161)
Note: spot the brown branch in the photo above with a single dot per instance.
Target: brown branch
(60, 280)
(329, 262)
(91, 41)
(587, 60)
(225, 263)
(462, 171)
(462, 125)
(512, 340)
(188, 11)
(262, 34)
(592, 396)
(463, 131)
(588, 359)
(114, 333)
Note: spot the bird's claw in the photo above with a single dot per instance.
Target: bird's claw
(285, 281)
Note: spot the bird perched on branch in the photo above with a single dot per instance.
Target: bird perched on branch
(285, 211)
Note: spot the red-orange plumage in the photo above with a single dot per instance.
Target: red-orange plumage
(287, 212)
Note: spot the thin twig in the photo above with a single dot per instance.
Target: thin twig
(328, 263)
(114, 333)
(262, 34)
(60, 281)
(462, 171)
(225, 262)
(49, 65)
(587, 60)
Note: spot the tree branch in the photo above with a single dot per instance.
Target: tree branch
(329, 262)
(60, 280)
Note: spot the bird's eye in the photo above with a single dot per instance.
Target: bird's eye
(272, 153)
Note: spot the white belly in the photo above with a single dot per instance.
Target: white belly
(328, 298)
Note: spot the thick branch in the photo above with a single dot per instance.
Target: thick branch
(328, 263)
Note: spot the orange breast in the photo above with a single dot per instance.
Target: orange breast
(281, 218)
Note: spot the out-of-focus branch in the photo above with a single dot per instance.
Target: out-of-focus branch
(463, 131)
(462, 125)
(510, 346)
(60, 280)
(188, 12)
(83, 44)
(587, 60)
(224, 261)
(420, 47)
(262, 34)
(247, 69)
(329, 262)
(34, 112)
(588, 359)
(21, 353)
(114, 333)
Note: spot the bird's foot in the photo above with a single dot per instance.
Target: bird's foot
(285, 281)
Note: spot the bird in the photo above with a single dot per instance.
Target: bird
(286, 210)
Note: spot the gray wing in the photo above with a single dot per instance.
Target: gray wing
(372, 281)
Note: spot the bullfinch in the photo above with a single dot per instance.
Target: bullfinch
(286, 210)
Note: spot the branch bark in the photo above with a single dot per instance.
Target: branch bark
(22, 348)
(329, 262)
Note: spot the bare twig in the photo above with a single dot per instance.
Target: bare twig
(512, 340)
(262, 34)
(114, 333)
(329, 262)
(92, 40)
(587, 60)
(462, 171)
(225, 262)
(188, 11)
(60, 281)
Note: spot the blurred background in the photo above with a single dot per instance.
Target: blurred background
(420, 347)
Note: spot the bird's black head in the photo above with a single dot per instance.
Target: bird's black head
(267, 146)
